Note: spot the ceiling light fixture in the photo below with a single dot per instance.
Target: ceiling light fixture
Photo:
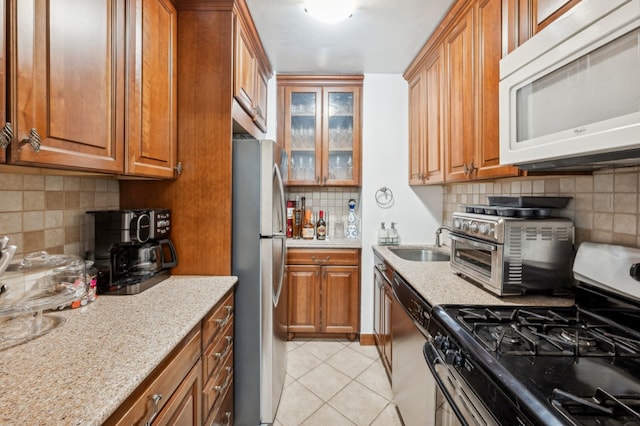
(330, 11)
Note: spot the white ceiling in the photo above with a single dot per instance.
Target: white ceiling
(382, 36)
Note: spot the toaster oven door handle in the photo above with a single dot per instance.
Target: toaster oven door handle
(473, 243)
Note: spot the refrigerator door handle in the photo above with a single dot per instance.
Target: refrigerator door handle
(279, 232)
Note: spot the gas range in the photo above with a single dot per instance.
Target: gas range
(577, 365)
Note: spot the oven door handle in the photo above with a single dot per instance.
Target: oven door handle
(473, 243)
(432, 357)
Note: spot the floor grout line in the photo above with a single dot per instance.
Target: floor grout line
(338, 395)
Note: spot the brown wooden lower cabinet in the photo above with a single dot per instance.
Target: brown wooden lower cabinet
(324, 292)
(183, 408)
(193, 383)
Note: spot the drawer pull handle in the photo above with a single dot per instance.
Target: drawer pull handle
(220, 389)
(227, 348)
(156, 398)
(227, 418)
(222, 322)
(316, 260)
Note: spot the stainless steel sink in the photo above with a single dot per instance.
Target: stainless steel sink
(420, 254)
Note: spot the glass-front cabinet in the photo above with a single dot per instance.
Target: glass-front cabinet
(320, 128)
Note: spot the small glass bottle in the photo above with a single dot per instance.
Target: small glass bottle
(321, 227)
(307, 227)
(297, 219)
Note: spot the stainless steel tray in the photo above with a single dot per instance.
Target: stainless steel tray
(529, 201)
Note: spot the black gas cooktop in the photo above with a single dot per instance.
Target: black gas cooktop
(568, 365)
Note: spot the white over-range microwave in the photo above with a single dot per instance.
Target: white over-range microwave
(570, 96)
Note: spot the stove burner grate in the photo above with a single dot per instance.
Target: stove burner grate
(521, 331)
(600, 409)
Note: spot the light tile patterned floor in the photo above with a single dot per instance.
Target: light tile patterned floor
(335, 382)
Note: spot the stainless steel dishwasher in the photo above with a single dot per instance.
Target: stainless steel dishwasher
(414, 388)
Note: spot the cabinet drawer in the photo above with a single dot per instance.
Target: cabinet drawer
(163, 383)
(223, 415)
(217, 386)
(323, 257)
(217, 352)
(215, 322)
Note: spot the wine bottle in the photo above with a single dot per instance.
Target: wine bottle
(321, 227)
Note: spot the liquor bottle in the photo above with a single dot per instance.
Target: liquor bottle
(321, 227)
(307, 226)
(290, 209)
(352, 221)
(297, 220)
(302, 213)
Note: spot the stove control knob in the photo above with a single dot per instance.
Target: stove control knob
(442, 343)
(485, 228)
(634, 271)
(465, 225)
(473, 227)
(457, 223)
(453, 357)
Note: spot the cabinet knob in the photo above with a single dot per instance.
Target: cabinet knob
(469, 169)
(34, 140)
(6, 135)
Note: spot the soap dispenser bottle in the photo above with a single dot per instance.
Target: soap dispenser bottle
(382, 235)
(394, 237)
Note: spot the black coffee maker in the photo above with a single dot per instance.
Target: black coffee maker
(131, 248)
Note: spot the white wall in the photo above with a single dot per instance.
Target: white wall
(417, 211)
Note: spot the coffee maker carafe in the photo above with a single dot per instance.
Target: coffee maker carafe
(131, 248)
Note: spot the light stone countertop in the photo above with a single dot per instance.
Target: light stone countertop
(328, 244)
(439, 285)
(80, 373)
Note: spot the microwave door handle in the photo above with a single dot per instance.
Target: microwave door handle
(432, 358)
(473, 243)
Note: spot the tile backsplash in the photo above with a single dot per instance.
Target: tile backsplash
(333, 200)
(604, 206)
(46, 212)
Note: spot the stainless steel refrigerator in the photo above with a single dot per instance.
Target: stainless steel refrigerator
(258, 260)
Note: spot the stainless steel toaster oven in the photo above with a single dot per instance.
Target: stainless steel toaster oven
(513, 255)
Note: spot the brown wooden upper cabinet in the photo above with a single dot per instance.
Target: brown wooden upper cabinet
(250, 77)
(320, 124)
(525, 18)
(66, 89)
(425, 122)
(453, 96)
(68, 82)
(151, 124)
